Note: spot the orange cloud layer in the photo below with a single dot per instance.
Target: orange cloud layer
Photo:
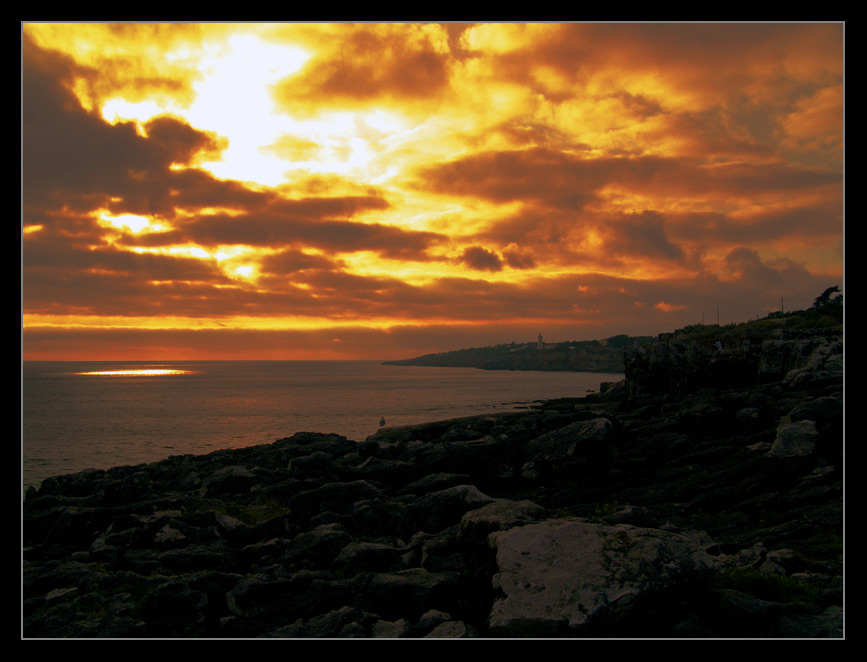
(479, 177)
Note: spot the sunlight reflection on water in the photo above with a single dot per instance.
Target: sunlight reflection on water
(137, 373)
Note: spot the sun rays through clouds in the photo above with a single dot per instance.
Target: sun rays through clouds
(249, 190)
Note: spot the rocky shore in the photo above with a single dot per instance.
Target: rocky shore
(700, 497)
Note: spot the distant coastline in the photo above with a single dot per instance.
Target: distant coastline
(570, 356)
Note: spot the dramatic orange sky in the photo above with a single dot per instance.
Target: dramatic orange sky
(315, 191)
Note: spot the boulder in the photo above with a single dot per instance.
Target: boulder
(438, 510)
(318, 547)
(410, 593)
(363, 556)
(390, 629)
(795, 439)
(563, 577)
(822, 410)
(477, 525)
(579, 447)
(336, 497)
(434, 483)
(452, 630)
(227, 481)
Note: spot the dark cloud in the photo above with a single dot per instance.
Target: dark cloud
(745, 266)
(330, 207)
(642, 234)
(65, 276)
(518, 258)
(682, 52)
(476, 257)
(275, 230)
(182, 142)
(534, 228)
(554, 178)
(72, 157)
(293, 261)
(812, 219)
(192, 188)
(368, 64)
(567, 181)
(751, 179)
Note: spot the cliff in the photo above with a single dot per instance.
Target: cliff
(700, 497)
(575, 356)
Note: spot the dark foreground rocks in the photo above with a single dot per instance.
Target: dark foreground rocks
(698, 507)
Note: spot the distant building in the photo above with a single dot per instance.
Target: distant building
(539, 343)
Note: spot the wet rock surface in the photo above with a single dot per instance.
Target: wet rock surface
(702, 497)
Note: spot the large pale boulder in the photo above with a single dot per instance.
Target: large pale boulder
(560, 577)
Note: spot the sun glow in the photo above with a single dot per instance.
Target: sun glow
(233, 99)
(146, 372)
(121, 110)
(299, 178)
(131, 222)
(244, 271)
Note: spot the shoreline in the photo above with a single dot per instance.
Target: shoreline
(716, 493)
(122, 432)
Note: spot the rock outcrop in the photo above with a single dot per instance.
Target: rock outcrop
(702, 497)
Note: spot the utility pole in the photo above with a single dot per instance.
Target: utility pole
(717, 315)
(782, 308)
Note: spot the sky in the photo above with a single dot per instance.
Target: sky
(382, 190)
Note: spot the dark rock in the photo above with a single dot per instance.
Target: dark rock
(318, 547)
(437, 510)
(434, 483)
(315, 465)
(390, 629)
(580, 447)
(388, 472)
(362, 556)
(410, 593)
(345, 622)
(228, 481)
(336, 497)
(173, 609)
(452, 630)
(702, 496)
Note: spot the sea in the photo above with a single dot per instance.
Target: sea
(83, 415)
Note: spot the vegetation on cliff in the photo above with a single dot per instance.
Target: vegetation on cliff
(825, 315)
(607, 355)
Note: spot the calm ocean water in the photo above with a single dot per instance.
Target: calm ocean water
(80, 415)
